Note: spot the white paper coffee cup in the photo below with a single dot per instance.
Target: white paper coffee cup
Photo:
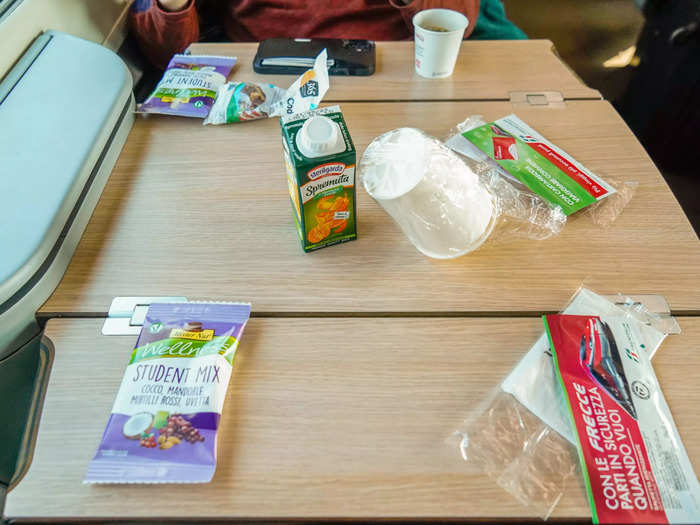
(438, 36)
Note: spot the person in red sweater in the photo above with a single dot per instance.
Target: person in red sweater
(165, 27)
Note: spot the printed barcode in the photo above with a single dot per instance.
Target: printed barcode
(673, 468)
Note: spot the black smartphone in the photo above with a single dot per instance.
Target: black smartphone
(293, 56)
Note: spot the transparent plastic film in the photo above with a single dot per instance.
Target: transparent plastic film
(652, 311)
(518, 451)
(448, 205)
(521, 435)
(524, 214)
(607, 198)
(605, 212)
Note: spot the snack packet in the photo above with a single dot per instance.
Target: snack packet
(241, 101)
(165, 418)
(635, 467)
(189, 85)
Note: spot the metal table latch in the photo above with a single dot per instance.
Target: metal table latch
(127, 314)
(548, 99)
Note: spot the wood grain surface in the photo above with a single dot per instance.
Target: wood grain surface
(324, 418)
(484, 71)
(204, 212)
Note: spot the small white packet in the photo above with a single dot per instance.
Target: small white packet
(307, 91)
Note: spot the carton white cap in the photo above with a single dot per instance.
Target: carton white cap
(319, 136)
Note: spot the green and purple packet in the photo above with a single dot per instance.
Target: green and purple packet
(189, 86)
(165, 418)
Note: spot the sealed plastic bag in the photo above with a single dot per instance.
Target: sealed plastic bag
(241, 101)
(189, 86)
(635, 466)
(533, 381)
(446, 205)
(526, 159)
(521, 435)
(166, 414)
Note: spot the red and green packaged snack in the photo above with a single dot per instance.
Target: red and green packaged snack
(635, 467)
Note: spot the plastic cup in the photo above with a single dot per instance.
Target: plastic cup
(438, 36)
(432, 195)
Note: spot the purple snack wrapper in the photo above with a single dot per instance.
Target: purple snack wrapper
(189, 86)
(164, 421)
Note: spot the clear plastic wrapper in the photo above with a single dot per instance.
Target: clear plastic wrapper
(521, 453)
(605, 212)
(447, 205)
(521, 434)
(523, 214)
(614, 194)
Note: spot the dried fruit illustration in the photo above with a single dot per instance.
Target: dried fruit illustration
(148, 441)
(175, 430)
(180, 429)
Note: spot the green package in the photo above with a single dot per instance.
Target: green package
(525, 155)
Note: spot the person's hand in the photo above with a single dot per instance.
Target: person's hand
(172, 5)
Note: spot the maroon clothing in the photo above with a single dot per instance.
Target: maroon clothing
(161, 33)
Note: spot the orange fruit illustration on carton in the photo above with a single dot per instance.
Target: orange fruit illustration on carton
(325, 203)
(339, 225)
(324, 216)
(325, 219)
(319, 232)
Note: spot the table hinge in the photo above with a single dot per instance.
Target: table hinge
(547, 99)
(127, 314)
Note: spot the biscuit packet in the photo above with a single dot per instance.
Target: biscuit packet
(241, 101)
(165, 418)
(189, 86)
